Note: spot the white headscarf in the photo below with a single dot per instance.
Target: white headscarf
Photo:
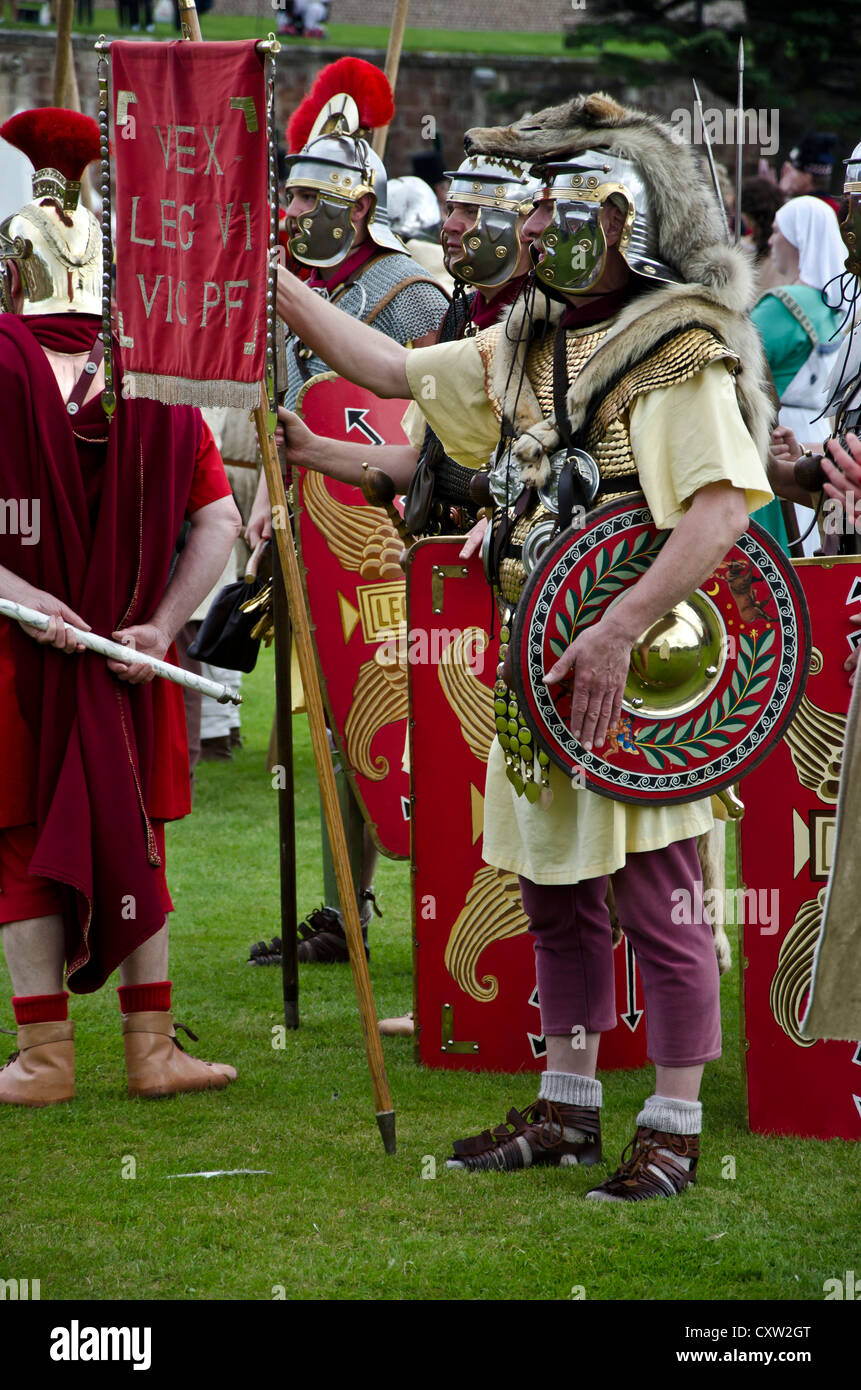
(812, 228)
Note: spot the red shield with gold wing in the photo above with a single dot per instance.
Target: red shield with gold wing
(795, 1086)
(476, 1000)
(356, 594)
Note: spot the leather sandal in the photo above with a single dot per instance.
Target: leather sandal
(324, 941)
(645, 1171)
(263, 954)
(545, 1133)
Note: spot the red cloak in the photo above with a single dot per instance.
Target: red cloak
(108, 519)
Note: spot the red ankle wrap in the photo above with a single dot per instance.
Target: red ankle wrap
(145, 999)
(40, 1008)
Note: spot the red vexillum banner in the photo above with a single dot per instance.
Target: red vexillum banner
(192, 219)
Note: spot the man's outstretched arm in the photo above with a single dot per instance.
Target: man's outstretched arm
(353, 349)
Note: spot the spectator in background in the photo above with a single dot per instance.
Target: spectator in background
(807, 171)
(304, 19)
(760, 199)
(129, 15)
(799, 327)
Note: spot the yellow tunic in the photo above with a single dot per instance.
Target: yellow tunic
(683, 436)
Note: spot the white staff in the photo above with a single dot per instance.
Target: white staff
(224, 694)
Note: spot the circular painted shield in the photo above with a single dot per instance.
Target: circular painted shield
(711, 685)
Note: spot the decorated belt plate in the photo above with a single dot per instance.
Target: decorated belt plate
(711, 685)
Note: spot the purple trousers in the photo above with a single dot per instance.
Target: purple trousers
(570, 928)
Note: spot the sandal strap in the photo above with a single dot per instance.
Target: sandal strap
(636, 1176)
(542, 1125)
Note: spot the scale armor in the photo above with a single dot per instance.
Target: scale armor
(606, 433)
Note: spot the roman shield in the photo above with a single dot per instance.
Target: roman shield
(356, 591)
(712, 684)
(795, 1086)
(476, 1000)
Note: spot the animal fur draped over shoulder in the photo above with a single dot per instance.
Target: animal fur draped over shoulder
(683, 202)
(718, 292)
(642, 325)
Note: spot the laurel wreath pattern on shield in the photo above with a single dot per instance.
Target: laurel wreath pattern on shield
(660, 742)
(611, 574)
(663, 743)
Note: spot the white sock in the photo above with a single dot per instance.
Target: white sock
(672, 1116)
(570, 1088)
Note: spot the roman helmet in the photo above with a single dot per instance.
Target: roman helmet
(572, 251)
(54, 240)
(413, 208)
(502, 192)
(335, 161)
(591, 149)
(850, 227)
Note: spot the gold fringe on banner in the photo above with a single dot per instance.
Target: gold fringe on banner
(180, 390)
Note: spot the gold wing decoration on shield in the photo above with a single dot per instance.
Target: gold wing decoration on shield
(815, 738)
(791, 979)
(362, 538)
(492, 912)
(379, 697)
(469, 697)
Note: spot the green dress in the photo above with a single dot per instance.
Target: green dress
(787, 347)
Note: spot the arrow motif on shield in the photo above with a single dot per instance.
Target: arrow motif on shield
(356, 594)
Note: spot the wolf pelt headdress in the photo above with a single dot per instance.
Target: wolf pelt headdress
(718, 285)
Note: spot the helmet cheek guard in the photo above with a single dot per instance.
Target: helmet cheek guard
(850, 227)
(578, 189)
(573, 249)
(490, 249)
(325, 233)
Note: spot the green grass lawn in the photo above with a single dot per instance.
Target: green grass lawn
(334, 1217)
(352, 36)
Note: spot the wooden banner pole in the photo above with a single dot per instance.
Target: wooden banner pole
(328, 792)
(319, 739)
(65, 81)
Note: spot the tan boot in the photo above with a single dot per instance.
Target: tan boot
(42, 1071)
(156, 1064)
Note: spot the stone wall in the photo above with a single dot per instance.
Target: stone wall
(545, 16)
(444, 93)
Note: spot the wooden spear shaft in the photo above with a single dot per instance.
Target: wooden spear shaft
(319, 739)
(64, 64)
(393, 62)
(325, 771)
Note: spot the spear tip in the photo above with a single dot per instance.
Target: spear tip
(741, 55)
